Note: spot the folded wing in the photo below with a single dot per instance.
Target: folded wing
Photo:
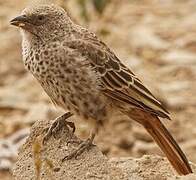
(117, 81)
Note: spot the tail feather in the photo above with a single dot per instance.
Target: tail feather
(168, 145)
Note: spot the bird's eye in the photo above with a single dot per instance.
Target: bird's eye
(40, 18)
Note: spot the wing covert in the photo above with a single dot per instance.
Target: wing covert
(117, 81)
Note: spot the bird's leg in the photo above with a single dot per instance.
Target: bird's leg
(84, 145)
(58, 124)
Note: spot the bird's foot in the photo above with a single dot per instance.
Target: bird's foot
(84, 145)
(57, 126)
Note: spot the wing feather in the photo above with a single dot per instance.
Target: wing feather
(118, 82)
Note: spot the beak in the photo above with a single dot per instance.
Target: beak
(19, 21)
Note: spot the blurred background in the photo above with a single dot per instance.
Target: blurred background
(155, 38)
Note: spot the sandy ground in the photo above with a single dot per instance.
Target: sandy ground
(40, 162)
(156, 39)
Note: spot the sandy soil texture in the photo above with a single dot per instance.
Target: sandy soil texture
(37, 161)
(156, 39)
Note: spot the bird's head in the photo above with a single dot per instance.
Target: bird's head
(43, 21)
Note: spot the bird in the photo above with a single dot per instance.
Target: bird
(81, 74)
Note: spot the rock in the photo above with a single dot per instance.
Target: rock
(9, 148)
(45, 162)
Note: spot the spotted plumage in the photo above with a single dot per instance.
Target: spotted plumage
(80, 73)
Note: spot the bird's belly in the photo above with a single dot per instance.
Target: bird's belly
(85, 101)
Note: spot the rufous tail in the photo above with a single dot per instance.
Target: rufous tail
(168, 145)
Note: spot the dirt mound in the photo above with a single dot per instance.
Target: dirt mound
(37, 161)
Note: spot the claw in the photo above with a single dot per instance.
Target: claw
(73, 142)
(72, 126)
(85, 145)
(57, 126)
